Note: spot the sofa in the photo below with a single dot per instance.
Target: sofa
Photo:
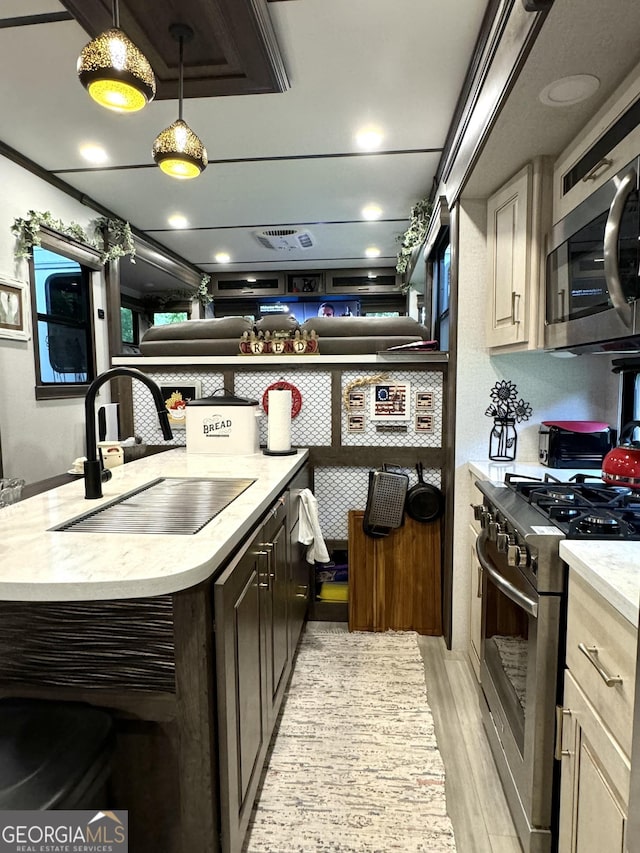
(336, 335)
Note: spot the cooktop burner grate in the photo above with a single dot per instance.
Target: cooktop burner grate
(580, 508)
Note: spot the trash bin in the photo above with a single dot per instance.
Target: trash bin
(53, 755)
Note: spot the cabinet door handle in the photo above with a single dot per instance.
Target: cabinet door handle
(479, 590)
(600, 167)
(591, 653)
(561, 713)
(262, 575)
(515, 296)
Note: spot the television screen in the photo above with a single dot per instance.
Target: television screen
(302, 311)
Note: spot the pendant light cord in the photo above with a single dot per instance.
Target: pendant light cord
(116, 14)
(181, 80)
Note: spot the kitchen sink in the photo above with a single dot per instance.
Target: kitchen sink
(173, 505)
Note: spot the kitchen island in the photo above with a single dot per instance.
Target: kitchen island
(186, 639)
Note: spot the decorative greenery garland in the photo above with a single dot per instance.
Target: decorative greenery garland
(415, 233)
(164, 297)
(112, 237)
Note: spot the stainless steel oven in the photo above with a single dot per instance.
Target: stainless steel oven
(524, 626)
(521, 640)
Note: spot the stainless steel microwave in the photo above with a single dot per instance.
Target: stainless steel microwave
(592, 283)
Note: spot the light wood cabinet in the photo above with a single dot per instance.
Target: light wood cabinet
(475, 583)
(518, 215)
(606, 144)
(475, 604)
(594, 789)
(596, 724)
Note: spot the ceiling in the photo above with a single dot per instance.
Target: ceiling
(287, 155)
(281, 159)
(577, 37)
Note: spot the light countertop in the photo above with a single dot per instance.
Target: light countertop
(484, 469)
(38, 564)
(611, 568)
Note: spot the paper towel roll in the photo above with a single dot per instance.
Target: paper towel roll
(279, 422)
(108, 426)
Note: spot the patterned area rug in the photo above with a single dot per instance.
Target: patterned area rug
(355, 767)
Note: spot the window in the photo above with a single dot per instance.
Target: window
(63, 328)
(129, 325)
(441, 258)
(163, 318)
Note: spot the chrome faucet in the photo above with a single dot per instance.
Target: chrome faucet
(93, 469)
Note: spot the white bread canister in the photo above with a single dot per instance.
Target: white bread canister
(224, 425)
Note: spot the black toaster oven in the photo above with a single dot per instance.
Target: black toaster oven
(574, 444)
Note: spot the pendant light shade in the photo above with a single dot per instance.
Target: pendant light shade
(114, 72)
(177, 149)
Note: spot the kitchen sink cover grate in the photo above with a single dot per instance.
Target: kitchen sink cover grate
(168, 505)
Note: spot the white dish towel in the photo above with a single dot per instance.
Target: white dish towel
(309, 532)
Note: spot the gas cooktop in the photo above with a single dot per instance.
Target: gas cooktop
(583, 507)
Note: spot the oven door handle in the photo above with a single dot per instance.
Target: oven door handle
(624, 186)
(527, 604)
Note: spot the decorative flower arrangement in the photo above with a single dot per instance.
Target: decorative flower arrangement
(505, 409)
(415, 233)
(504, 395)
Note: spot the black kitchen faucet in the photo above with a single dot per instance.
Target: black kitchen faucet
(93, 465)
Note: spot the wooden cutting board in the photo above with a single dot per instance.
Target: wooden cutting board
(395, 581)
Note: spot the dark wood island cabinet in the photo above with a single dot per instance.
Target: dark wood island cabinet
(194, 679)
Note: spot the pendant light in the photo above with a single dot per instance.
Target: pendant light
(177, 150)
(114, 72)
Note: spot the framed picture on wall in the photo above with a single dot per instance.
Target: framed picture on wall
(176, 396)
(424, 400)
(424, 423)
(355, 423)
(15, 316)
(390, 402)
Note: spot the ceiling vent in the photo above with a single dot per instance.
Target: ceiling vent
(284, 239)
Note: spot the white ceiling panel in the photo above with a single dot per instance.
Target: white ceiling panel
(265, 193)
(398, 66)
(334, 245)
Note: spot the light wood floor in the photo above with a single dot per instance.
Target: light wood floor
(475, 800)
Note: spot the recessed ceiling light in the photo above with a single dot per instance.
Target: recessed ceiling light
(372, 211)
(94, 153)
(222, 258)
(369, 138)
(251, 280)
(372, 252)
(177, 220)
(569, 90)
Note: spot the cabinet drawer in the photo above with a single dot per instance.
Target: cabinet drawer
(593, 623)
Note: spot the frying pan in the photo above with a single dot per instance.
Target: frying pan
(424, 502)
